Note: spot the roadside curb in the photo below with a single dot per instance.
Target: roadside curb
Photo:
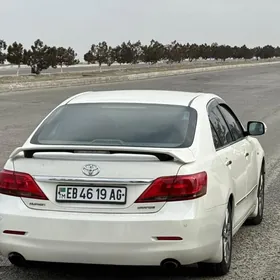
(122, 78)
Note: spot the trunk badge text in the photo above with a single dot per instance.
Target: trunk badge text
(90, 170)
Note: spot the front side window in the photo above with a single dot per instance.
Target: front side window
(119, 124)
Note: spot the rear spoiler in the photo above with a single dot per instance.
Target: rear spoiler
(182, 155)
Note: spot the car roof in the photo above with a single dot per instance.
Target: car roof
(171, 97)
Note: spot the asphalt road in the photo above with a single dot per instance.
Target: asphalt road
(254, 93)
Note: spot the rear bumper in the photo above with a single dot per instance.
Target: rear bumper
(109, 238)
(114, 254)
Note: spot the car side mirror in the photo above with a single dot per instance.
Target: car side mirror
(255, 128)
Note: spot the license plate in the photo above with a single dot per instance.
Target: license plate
(91, 194)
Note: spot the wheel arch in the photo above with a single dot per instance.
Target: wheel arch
(263, 165)
(218, 255)
(262, 168)
(231, 202)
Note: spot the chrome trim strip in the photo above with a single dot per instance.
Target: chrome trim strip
(241, 200)
(246, 196)
(67, 179)
(253, 189)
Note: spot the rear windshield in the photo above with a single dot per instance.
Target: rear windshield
(115, 124)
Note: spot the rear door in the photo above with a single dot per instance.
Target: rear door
(232, 158)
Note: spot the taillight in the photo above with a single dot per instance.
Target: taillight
(20, 184)
(175, 188)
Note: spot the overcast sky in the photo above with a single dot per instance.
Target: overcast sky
(80, 23)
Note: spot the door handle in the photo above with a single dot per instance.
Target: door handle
(228, 163)
(247, 154)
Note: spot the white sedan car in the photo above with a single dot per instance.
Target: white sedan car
(145, 177)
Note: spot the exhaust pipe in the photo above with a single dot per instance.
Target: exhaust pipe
(17, 259)
(170, 264)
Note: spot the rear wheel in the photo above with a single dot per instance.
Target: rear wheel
(222, 268)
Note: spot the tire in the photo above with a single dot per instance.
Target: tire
(222, 268)
(260, 201)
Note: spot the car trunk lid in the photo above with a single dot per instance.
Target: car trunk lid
(119, 176)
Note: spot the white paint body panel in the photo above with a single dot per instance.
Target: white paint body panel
(124, 234)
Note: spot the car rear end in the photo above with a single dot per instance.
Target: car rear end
(108, 183)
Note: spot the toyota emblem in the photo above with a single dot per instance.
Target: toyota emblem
(90, 170)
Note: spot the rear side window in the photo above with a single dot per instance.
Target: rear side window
(119, 124)
(233, 123)
(220, 126)
(216, 139)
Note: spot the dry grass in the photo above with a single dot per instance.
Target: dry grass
(116, 71)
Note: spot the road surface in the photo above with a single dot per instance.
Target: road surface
(254, 93)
